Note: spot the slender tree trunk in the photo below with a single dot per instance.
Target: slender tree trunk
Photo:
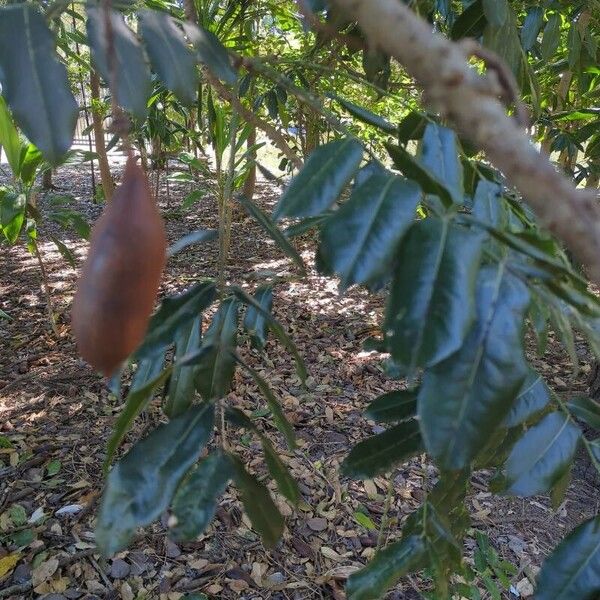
(105, 176)
(312, 133)
(189, 10)
(250, 182)
(47, 180)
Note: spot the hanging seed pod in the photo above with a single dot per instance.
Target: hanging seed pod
(117, 288)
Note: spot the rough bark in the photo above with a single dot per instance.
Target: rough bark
(470, 102)
(105, 176)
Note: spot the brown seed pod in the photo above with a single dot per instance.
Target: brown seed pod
(117, 288)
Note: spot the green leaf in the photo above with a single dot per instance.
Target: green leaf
(558, 492)
(381, 452)
(211, 52)
(193, 197)
(430, 307)
(31, 159)
(64, 250)
(573, 569)
(35, 84)
(255, 322)
(182, 385)
(359, 241)
(574, 45)
(365, 521)
(470, 23)
(131, 83)
(412, 127)
(531, 27)
(463, 399)
(195, 502)
(285, 482)
(586, 409)
(387, 568)
(53, 467)
(174, 313)
(9, 136)
(136, 402)
(324, 176)
(147, 370)
(542, 456)
(366, 116)
(304, 225)
(439, 154)
(393, 406)
(281, 422)
(195, 237)
(272, 230)
(413, 169)
(169, 54)
(17, 515)
(259, 505)
(496, 12)
(277, 330)
(551, 37)
(12, 213)
(533, 397)
(215, 369)
(141, 485)
(505, 41)
(488, 204)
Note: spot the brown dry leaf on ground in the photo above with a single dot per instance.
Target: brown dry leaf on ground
(57, 415)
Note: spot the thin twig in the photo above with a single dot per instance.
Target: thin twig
(46, 287)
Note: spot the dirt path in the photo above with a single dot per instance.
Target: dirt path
(57, 414)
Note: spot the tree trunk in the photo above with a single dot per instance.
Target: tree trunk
(189, 10)
(47, 180)
(105, 176)
(250, 182)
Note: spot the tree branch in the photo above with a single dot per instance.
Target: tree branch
(470, 101)
(251, 118)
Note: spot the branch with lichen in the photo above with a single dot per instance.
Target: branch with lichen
(472, 103)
